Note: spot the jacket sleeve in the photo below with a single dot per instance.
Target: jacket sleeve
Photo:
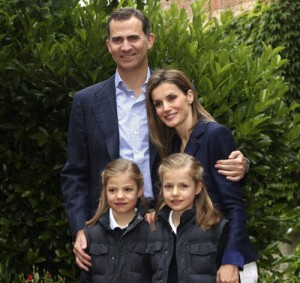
(75, 174)
(228, 195)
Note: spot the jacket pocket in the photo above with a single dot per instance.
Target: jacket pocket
(203, 258)
(98, 249)
(138, 247)
(203, 248)
(154, 247)
(137, 258)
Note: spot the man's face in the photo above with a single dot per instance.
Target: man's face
(128, 44)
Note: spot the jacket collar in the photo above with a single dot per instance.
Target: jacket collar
(194, 140)
(105, 220)
(187, 216)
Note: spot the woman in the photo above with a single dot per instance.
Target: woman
(178, 123)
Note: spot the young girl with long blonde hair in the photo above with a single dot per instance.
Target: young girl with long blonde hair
(189, 222)
(117, 234)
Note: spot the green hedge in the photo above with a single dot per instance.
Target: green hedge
(50, 49)
(276, 22)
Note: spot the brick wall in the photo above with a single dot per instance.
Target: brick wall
(237, 6)
(215, 6)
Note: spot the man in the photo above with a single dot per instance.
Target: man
(108, 120)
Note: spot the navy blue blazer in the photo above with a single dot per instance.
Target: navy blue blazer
(209, 142)
(93, 141)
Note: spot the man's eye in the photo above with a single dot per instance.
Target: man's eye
(117, 40)
(133, 38)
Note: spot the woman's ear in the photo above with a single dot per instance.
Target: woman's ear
(199, 187)
(190, 96)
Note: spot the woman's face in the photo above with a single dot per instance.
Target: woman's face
(172, 106)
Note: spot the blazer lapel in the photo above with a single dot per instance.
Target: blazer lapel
(105, 111)
(194, 142)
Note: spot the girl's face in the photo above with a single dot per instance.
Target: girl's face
(122, 194)
(172, 106)
(179, 190)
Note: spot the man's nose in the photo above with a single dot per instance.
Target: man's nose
(126, 45)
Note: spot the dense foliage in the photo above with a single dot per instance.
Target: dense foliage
(277, 23)
(50, 49)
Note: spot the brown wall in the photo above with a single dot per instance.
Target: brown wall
(216, 6)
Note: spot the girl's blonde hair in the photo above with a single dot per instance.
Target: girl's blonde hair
(114, 168)
(207, 215)
(161, 135)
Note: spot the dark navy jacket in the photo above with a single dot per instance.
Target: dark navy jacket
(93, 141)
(209, 142)
(198, 252)
(119, 255)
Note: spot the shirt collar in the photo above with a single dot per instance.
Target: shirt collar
(174, 228)
(113, 223)
(119, 83)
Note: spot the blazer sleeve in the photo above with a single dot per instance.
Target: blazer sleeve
(228, 195)
(75, 174)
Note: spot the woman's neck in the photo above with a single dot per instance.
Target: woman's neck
(184, 139)
(184, 131)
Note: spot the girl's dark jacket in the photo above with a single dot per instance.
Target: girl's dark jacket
(121, 256)
(198, 252)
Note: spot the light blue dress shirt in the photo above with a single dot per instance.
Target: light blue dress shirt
(133, 129)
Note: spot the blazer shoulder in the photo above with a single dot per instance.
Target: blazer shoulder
(100, 88)
(215, 128)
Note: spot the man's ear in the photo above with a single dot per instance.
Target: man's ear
(151, 39)
(108, 45)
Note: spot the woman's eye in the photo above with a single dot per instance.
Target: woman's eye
(172, 97)
(157, 104)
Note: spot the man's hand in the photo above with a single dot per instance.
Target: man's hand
(228, 273)
(83, 260)
(234, 168)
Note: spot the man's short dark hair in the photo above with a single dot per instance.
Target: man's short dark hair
(125, 14)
